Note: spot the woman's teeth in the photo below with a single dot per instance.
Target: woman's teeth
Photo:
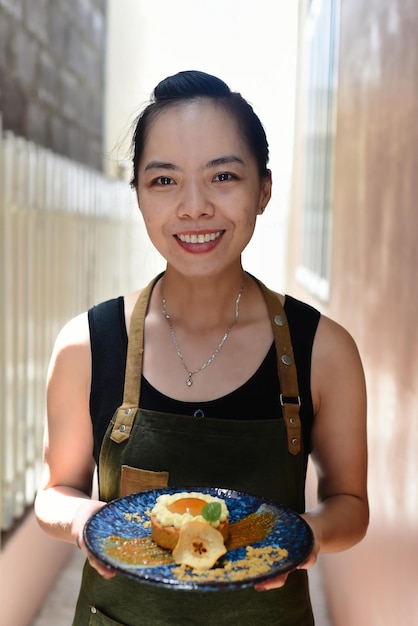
(201, 238)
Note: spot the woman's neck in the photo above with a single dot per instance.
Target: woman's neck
(196, 300)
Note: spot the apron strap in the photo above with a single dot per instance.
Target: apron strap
(286, 369)
(125, 414)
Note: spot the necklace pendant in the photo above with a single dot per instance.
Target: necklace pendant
(189, 381)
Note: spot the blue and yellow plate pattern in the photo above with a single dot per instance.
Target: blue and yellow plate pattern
(266, 540)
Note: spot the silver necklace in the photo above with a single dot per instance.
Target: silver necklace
(190, 373)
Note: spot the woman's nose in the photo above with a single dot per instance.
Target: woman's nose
(195, 202)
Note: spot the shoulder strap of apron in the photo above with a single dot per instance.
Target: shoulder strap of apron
(286, 369)
(132, 389)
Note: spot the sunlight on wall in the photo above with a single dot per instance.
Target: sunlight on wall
(393, 457)
(250, 45)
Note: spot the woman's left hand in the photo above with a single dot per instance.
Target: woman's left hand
(279, 581)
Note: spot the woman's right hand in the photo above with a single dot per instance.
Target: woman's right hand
(82, 515)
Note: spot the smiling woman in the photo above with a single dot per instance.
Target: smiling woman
(268, 380)
(201, 180)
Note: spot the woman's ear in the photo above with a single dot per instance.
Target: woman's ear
(265, 193)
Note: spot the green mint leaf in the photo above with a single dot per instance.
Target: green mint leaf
(211, 512)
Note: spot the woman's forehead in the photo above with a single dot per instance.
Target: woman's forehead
(201, 125)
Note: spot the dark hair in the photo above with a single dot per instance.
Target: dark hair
(193, 85)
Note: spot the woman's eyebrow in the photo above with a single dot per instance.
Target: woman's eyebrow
(224, 160)
(161, 165)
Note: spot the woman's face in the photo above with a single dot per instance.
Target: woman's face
(199, 189)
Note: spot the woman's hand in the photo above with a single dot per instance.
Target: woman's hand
(82, 515)
(280, 581)
(272, 583)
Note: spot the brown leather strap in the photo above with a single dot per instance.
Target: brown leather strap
(286, 370)
(132, 390)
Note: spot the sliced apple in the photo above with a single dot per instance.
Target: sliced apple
(199, 546)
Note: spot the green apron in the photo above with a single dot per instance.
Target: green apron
(145, 449)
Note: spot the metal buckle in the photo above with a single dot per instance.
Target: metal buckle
(289, 400)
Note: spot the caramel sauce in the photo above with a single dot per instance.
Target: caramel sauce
(193, 506)
(143, 552)
(139, 551)
(254, 527)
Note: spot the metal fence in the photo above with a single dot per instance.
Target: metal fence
(70, 237)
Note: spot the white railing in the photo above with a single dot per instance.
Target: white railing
(70, 237)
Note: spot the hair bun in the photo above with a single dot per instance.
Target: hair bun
(190, 84)
(187, 87)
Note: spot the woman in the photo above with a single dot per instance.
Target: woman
(207, 372)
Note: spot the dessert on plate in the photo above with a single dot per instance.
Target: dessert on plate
(172, 511)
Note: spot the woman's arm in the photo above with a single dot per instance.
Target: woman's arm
(63, 503)
(339, 440)
(339, 444)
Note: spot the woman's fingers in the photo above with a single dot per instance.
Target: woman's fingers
(104, 571)
(272, 583)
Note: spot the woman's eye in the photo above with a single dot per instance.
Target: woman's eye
(163, 180)
(224, 176)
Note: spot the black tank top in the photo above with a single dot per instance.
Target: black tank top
(258, 397)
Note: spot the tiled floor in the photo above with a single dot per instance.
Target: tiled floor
(59, 605)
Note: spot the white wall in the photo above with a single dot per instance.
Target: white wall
(251, 45)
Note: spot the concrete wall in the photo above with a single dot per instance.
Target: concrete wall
(374, 294)
(52, 56)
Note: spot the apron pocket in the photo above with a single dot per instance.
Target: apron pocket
(97, 618)
(134, 479)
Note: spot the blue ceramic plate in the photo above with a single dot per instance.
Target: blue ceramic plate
(119, 536)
